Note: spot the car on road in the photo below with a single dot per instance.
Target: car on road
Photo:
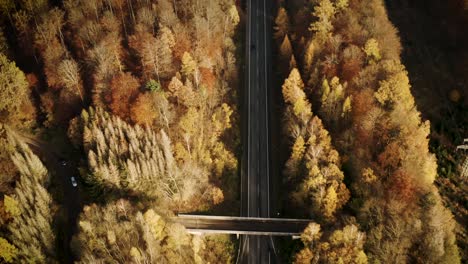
(73, 181)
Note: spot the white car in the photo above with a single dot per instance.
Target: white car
(73, 181)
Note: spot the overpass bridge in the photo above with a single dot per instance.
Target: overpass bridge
(197, 224)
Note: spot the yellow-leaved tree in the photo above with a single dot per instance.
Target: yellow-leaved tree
(314, 165)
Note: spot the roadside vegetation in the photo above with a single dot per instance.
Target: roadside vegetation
(27, 211)
(146, 92)
(347, 54)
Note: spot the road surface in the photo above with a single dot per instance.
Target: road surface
(242, 225)
(70, 198)
(255, 184)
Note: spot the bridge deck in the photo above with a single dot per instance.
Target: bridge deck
(242, 225)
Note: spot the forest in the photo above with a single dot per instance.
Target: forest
(116, 115)
(143, 95)
(359, 162)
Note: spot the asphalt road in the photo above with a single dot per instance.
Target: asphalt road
(255, 174)
(70, 197)
(242, 225)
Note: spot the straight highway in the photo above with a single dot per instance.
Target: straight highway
(255, 173)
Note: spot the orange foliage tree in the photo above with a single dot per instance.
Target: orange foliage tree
(124, 90)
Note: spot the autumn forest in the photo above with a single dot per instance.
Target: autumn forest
(118, 115)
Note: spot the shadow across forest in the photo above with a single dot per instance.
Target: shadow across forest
(434, 40)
